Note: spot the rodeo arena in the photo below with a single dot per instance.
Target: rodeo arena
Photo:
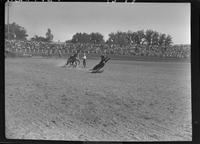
(134, 93)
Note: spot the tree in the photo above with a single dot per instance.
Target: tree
(76, 38)
(164, 42)
(168, 41)
(131, 37)
(155, 38)
(39, 38)
(161, 39)
(111, 38)
(80, 38)
(96, 38)
(85, 38)
(122, 39)
(15, 32)
(140, 37)
(119, 38)
(149, 37)
(49, 35)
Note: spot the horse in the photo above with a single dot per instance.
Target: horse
(73, 61)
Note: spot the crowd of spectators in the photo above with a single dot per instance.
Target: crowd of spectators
(34, 48)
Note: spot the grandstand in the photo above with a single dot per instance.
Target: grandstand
(45, 49)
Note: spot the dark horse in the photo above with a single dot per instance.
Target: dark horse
(73, 60)
(101, 64)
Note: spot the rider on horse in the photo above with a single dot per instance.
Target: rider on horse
(72, 60)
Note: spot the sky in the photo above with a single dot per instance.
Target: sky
(67, 18)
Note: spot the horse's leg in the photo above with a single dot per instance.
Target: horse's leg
(78, 62)
(75, 64)
(71, 63)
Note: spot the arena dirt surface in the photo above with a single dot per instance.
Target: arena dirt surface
(129, 101)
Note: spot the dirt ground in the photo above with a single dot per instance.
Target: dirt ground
(129, 101)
